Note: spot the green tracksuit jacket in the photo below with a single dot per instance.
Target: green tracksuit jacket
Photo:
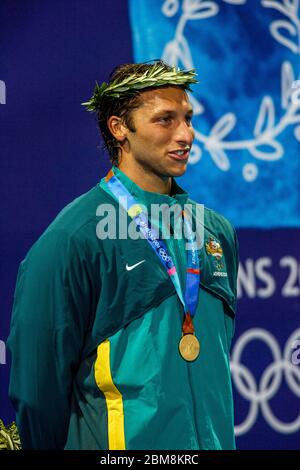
(95, 361)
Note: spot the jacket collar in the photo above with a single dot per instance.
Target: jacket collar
(178, 195)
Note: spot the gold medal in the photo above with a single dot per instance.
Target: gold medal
(189, 347)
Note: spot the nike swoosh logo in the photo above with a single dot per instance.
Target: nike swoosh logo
(129, 268)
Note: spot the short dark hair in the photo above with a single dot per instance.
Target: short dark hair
(122, 107)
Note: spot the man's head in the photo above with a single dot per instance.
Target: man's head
(129, 88)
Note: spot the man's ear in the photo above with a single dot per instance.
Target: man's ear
(117, 127)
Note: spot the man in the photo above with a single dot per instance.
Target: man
(121, 328)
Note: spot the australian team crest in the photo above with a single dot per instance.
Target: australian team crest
(214, 249)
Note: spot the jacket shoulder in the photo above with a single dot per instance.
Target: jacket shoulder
(79, 212)
(74, 227)
(216, 223)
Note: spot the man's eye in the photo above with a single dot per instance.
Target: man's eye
(165, 119)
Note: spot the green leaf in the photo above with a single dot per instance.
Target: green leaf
(155, 77)
(9, 437)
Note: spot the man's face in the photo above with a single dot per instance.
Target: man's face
(163, 130)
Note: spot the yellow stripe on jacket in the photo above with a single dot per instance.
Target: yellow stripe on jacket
(114, 399)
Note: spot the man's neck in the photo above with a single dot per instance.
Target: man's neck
(147, 181)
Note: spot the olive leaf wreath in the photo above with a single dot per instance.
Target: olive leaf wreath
(154, 77)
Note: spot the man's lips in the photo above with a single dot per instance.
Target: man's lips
(183, 157)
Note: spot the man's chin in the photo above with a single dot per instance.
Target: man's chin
(179, 170)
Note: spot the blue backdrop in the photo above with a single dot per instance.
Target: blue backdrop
(247, 54)
(245, 161)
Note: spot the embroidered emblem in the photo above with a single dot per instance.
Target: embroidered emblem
(214, 249)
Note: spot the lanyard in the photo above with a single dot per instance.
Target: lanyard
(190, 298)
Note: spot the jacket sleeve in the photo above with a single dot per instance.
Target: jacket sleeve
(51, 310)
(236, 262)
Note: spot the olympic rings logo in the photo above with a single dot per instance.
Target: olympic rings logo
(164, 255)
(260, 394)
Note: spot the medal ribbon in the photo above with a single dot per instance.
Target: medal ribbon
(190, 298)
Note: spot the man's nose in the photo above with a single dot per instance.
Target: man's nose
(185, 133)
